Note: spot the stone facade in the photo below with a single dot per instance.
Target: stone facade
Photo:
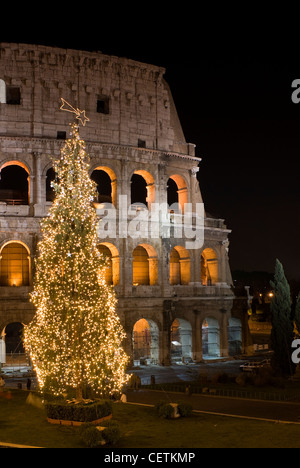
(186, 307)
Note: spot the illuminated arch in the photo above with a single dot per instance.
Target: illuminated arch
(113, 259)
(113, 197)
(149, 188)
(15, 264)
(209, 267)
(180, 266)
(145, 265)
(12, 335)
(145, 339)
(181, 197)
(13, 194)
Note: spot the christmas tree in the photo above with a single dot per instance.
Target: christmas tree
(282, 334)
(75, 338)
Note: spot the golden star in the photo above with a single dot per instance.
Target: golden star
(82, 117)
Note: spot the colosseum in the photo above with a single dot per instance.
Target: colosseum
(176, 304)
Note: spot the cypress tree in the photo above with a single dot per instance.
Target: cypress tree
(297, 313)
(282, 325)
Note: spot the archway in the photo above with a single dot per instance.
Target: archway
(12, 347)
(111, 254)
(50, 177)
(177, 193)
(145, 343)
(13, 338)
(14, 264)
(145, 266)
(211, 338)
(142, 189)
(209, 267)
(14, 183)
(181, 341)
(234, 336)
(180, 266)
(106, 181)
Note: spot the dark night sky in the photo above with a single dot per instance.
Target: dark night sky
(232, 90)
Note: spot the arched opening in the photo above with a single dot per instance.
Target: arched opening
(145, 343)
(106, 181)
(112, 271)
(142, 189)
(177, 193)
(211, 338)
(180, 266)
(145, 266)
(209, 267)
(14, 184)
(12, 350)
(181, 341)
(50, 177)
(234, 336)
(13, 338)
(14, 265)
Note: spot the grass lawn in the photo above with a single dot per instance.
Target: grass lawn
(141, 428)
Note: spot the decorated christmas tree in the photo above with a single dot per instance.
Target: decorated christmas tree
(75, 338)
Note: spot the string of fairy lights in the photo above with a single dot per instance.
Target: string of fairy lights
(75, 339)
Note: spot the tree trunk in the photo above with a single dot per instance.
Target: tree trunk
(79, 393)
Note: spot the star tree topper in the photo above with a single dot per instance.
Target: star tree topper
(80, 115)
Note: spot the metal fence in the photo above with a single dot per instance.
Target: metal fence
(252, 394)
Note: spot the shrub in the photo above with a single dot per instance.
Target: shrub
(185, 409)
(112, 433)
(81, 412)
(91, 436)
(164, 410)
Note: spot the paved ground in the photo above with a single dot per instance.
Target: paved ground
(185, 373)
(172, 374)
(254, 409)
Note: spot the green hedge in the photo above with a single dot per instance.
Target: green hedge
(81, 412)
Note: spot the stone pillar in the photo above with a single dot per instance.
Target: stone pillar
(224, 335)
(153, 270)
(197, 339)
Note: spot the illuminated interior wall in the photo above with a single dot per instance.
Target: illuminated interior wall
(141, 266)
(180, 266)
(14, 265)
(146, 341)
(145, 266)
(110, 252)
(181, 190)
(175, 277)
(209, 267)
